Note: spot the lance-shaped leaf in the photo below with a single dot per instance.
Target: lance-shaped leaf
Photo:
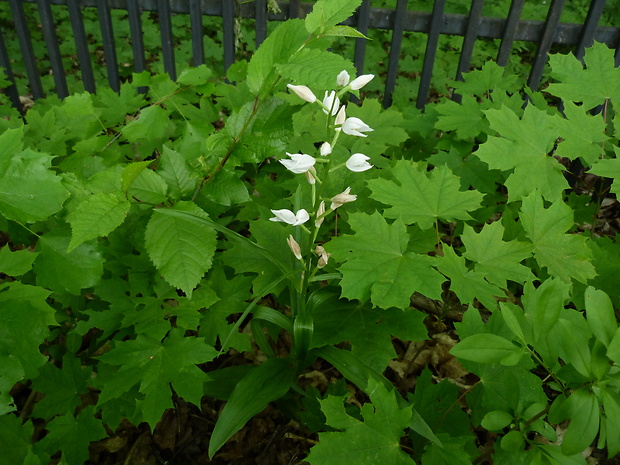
(327, 13)
(523, 147)
(374, 440)
(422, 198)
(181, 247)
(566, 256)
(379, 267)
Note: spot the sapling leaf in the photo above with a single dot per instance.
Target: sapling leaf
(423, 198)
(16, 263)
(583, 412)
(465, 118)
(575, 346)
(131, 171)
(174, 170)
(181, 247)
(16, 436)
(610, 168)
(344, 31)
(496, 420)
(484, 348)
(327, 13)
(601, 315)
(315, 68)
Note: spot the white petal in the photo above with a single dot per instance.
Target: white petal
(341, 116)
(303, 92)
(331, 102)
(301, 217)
(343, 78)
(355, 127)
(325, 149)
(299, 162)
(361, 81)
(284, 216)
(357, 163)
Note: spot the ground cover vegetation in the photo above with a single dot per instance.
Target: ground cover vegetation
(256, 271)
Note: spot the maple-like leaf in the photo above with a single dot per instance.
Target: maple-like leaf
(467, 284)
(155, 366)
(600, 80)
(379, 266)
(610, 168)
(369, 442)
(566, 256)
(422, 198)
(466, 118)
(497, 259)
(523, 147)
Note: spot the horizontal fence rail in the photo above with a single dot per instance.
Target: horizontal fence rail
(471, 27)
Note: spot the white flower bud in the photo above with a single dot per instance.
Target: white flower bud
(323, 256)
(342, 198)
(303, 93)
(294, 246)
(311, 175)
(361, 81)
(343, 78)
(320, 211)
(331, 102)
(325, 149)
(341, 116)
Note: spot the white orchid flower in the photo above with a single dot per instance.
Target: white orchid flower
(331, 103)
(343, 78)
(288, 217)
(341, 116)
(303, 93)
(325, 149)
(342, 198)
(319, 212)
(358, 163)
(299, 162)
(361, 81)
(355, 127)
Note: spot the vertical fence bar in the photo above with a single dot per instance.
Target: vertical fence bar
(25, 44)
(81, 45)
(293, 9)
(198, 46)
(363, 19)
(430, 53)
(5, 63)
(505, 49)
(397, 40)
(51, 41)
(167, 46)
(109, 48)
(586, 37)
(228, 20)
(469, 41)
(261, 21)
(137, 39)
(553, 18)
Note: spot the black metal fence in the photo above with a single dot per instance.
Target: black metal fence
(399, 20)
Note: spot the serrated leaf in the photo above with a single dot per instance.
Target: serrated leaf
(379, 267)
(327, 13)
(16, 437)
(131, 172)
(149, 187)
(72, 436)
(497, 259)
(422, 198)
(97, 216)
(174, 170)
(181, 248)
(344, 31)
(16, 263)
(465, 118)
(566, 256)
(523, 147)
(315, 68)
(153, 123)
(195, 76)
(81, 268)
(262, 385)
(484, 348)
(285, 40)
(374, 440)
(583, 135)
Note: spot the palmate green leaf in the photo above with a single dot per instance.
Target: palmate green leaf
(523, 147)
(327, 13)
(610, 168)
(157, 366)
(566, 256)
(465, 118)
(262, 385)
(29, 190)
(497, 259)
(16, 263)
(81, 268)
(583, 135)
(379, 267)
(369, 442)
(16, 437)
(599, 81)
(491, 77)
(283, 42)
(97, 216)
(467, 284)
(180, 247)
(315, 68)
(72, 435)
(423, 198)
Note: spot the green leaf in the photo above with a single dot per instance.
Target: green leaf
(344, 31)
(583, 412)
(374, 440)
(575, 346)
(174, 170)
(467, 284)
(149, 187)
(496, 420)
(600, 80)
(153, 123)
(262, 385)
(131, 172)
(610, 168)
(16, 263)
(97, 216)
(284, 41)
(566, 256)
(315, 68)
(81, 268)
(611, 405)
(583, 135)
(181, 247)
(601, 315)
(195, 76)
(29, 190)
(156, 367)
(484, 348)
(378, 266)
(465, 118)
(72, 436)
(497, 259)
(422, 198)
(327, 13)
(16, 437)
(491, 77)
(523, 147)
